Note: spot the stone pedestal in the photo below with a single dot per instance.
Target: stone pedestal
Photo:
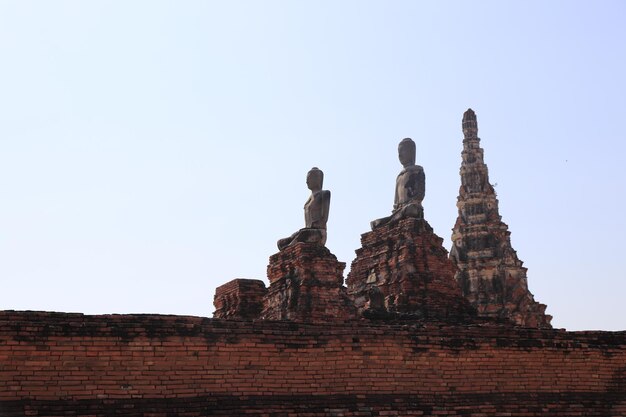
(306, 284)
(239, 299)
(402, 270)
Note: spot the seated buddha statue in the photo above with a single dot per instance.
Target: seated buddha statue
(410, 187)
(316, 211)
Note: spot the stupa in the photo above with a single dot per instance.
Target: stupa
(490, 274)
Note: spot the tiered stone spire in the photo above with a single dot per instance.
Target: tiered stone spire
(489, 272)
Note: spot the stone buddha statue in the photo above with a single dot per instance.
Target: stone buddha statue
(316, 211)
(410, 187)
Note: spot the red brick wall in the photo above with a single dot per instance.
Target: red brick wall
(59, 364)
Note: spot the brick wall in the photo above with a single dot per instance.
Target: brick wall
(151, 365)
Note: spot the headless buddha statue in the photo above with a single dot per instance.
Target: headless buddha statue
(316, 211)
(410, 187)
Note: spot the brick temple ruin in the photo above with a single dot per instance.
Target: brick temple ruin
(414, 332)
(489, 272)
(402, 269)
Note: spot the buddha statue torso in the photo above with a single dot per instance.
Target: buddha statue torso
(316, 210)
(410, 187)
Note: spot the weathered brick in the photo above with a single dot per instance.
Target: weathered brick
(253, 367)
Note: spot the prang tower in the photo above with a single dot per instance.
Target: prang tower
(489, 272)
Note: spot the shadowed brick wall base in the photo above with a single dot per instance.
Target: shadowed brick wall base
(54, 364)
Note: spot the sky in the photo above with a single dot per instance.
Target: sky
(153, 150)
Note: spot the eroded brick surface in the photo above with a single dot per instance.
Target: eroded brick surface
(306, 284)
(239, 299)
(403, 269)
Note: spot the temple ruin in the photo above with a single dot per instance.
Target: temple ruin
(489, 272)
(416, 331)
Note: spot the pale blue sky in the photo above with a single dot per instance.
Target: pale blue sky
(151, 151)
